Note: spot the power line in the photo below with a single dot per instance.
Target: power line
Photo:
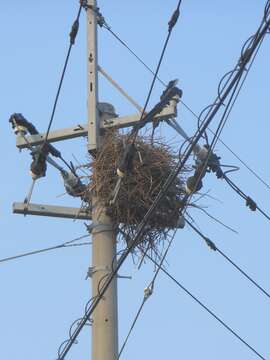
(207, 309)
(163, 191)
(171, 25)
(72, 35)
(244, 163)
(64, 245)
(249, 201)
(213, 246)
(147, 293)
(245, 53)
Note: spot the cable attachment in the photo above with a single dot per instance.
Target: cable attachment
(100, 18)
(171, 91)
(148, 291)
(38, 166)
(73, 184)
(214, 165)
(74, 31)
(245, 56)
(20, 125)
(173, 19)
(211, 244)
(251, 204)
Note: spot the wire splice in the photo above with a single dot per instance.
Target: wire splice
(74, 31)
(211, 244)
(38, 166)
(251, 204)
(173, 19)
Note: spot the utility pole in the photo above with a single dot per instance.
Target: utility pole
(105, 319)
(101, 116)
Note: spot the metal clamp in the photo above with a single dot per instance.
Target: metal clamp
(148, 291)
(96, 228)
(94, 269)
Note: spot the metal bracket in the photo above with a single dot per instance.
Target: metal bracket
(50, 210)
(94, 269)
(96, 228)
(82, 130)
(148, 291)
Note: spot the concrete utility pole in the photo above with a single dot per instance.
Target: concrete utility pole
(101, 116)
(105, 319)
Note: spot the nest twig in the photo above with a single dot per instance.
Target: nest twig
(152, 165)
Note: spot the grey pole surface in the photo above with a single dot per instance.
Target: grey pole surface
(105, 322)
(105, 319)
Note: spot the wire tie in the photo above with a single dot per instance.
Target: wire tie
(211, 244)
(173, 20)
(251, 204)
(148, 291)
(74, 31)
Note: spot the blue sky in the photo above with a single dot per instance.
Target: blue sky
(42, 295)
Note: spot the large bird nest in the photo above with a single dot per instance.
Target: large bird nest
(152, 164)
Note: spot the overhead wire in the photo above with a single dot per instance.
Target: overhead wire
(213, 247)
(244, 163)
(66, 244)
(73, 33)
(229, 106)
(249, 201)
(208, 310)
(147, 293)
(171, 25)
(162, 193)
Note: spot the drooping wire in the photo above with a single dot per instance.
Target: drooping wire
(87, 308)
(233, 97)
(64, 245)
(213, 218)
(133, 53)
(147, 293)
(179, 166)
(249, 201)
(218, 132)
(213, 247)
(207, 309)
(72, 35)
(244, 163)
(77, 323)
(171, 25)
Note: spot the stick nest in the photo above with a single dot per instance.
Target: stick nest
(152, 165)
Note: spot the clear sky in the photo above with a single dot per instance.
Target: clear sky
(42, 295)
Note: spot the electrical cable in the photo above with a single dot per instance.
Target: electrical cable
(73, 33)
(163, 191)
(213, 247)
(147, 293)
(213, 218)
(208, 310)
(244, 163)
(249, 201)
(238, 91)
(87, 306)
(64, 245)
(171, 25)
(228, 108)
